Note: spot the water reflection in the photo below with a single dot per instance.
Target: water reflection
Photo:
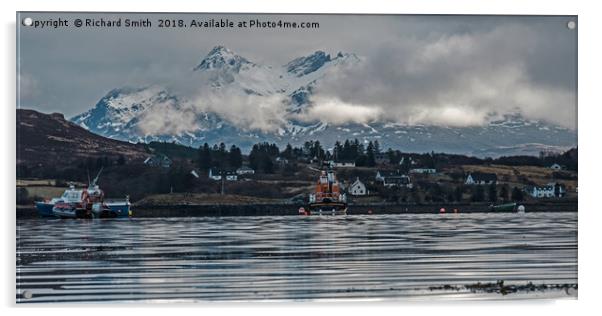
(290, 258)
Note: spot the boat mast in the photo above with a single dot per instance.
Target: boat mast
(95, 179)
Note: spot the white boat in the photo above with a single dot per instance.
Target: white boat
(84, 203)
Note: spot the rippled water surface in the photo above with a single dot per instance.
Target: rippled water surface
(292, 258)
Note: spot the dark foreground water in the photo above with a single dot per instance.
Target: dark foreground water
(297, 258)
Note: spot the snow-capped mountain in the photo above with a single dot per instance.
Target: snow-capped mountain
(129, 113)
(121, 109)
(225, 68)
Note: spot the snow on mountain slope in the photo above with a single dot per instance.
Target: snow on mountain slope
(302, 73)
(222, 67)
(120, 108)
(142, 114)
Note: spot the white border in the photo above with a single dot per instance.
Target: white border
(589, 116)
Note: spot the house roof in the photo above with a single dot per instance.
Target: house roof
(395, 173)
(483, 176)
(398, 179)
(357, 181)
(549, 186)
(218, 171)
(158, 158)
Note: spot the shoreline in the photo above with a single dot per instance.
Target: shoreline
(290, 209)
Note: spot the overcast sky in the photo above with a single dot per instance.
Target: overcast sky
(415, 69)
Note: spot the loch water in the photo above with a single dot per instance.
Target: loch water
(294, 258)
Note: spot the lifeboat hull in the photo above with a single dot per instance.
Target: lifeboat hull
(328, 208)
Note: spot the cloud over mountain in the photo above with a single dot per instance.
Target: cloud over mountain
(456, 70)
(422, 82)
(230, 98)
(457, 80)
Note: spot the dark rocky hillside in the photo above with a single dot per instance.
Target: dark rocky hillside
(49, 139)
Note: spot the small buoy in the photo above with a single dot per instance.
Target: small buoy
(442, 210)
(369, 211)
(455, 210)
(521, 208)
(302, 211)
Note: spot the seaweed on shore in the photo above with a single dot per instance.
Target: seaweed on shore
(501, 288)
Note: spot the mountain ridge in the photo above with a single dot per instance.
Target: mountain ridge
(119, 114)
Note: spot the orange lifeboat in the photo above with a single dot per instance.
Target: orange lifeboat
(327, 198)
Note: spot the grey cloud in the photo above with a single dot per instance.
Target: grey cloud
(417, 68)
(456, 79)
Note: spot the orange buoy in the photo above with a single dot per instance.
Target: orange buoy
(442, 210)
(455, 210)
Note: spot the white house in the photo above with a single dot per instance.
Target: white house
(393, 179)
(231, 176)
(480, 178)
(423, 170)
(547, 191)
(217, 175)
(281, 160)
(342, 164)
(556, 167)
(159, 160)
(398, 181)
(380, 176)
(357, 188)
(244, 170)
(214, 174)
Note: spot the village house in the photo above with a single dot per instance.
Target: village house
(244, 170)
(407, 160)
(231, 176)
(217, 175)
(341, 164)
(357, 188)
(393, 179)
(314, 160)
(281, 161)
(481, 178)
(423, 170)
(549, 190)
(158, 160)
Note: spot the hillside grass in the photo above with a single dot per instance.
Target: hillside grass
(511, 174)
(44, 192)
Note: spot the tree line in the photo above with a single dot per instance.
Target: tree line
(219, 157)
